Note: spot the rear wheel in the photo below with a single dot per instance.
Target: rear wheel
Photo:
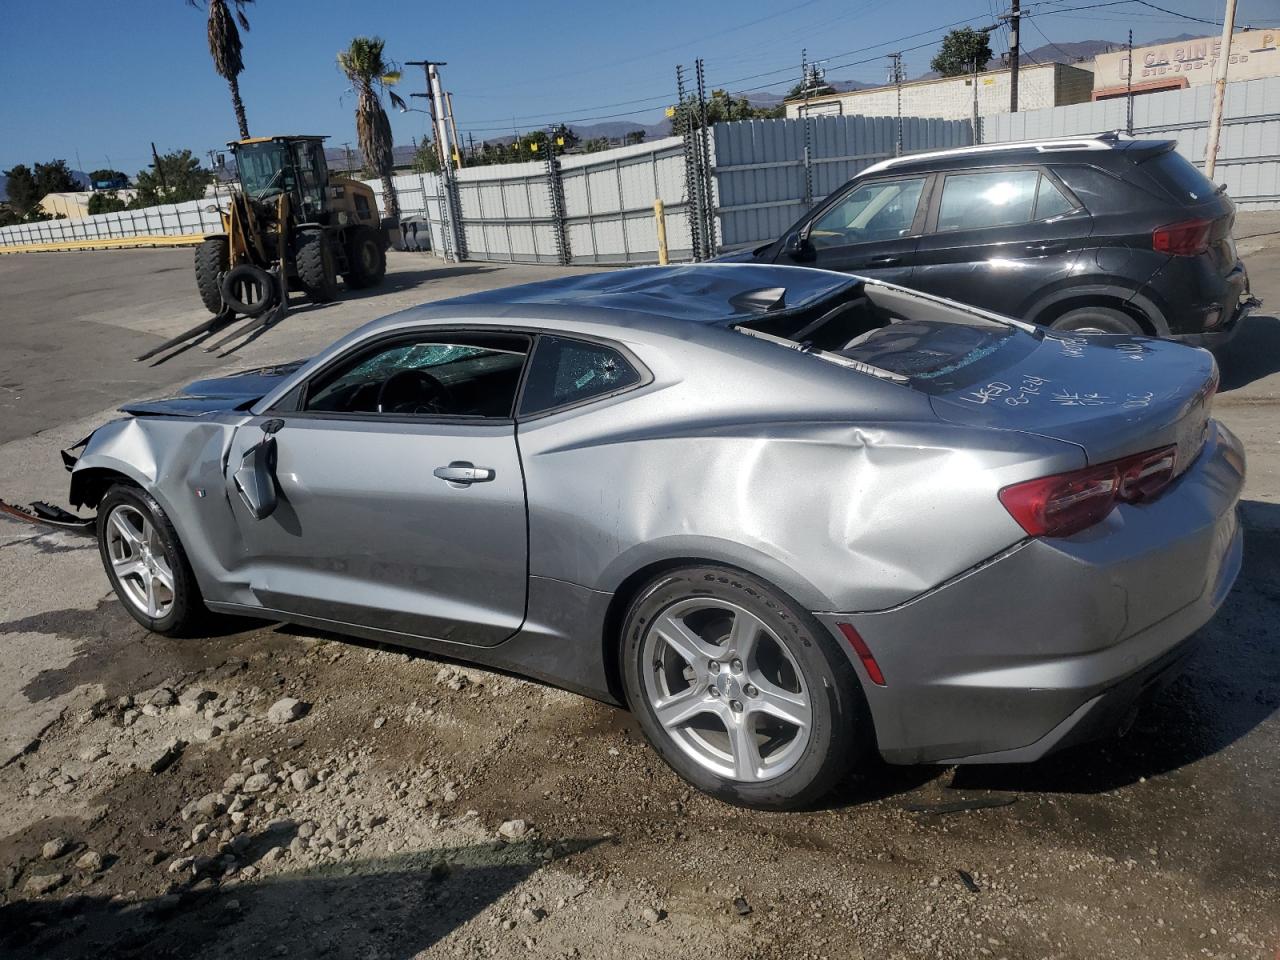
(1097, 320)
(317, 271)
(213, 259)
(741, 692)
(366, 258)
(146, 564)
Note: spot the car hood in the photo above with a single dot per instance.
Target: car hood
(238, 391)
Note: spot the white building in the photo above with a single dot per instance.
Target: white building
(1186, 63)
(951, 98)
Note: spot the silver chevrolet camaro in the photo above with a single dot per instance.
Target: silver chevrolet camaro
(786, 516)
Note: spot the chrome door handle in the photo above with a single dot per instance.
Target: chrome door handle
(463, 473)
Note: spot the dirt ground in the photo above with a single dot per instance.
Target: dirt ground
(269, 791)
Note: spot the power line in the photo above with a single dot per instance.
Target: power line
(665, 97)
(1181, 16)
(650, 103)
(1043, 36)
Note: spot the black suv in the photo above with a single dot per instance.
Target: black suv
(1099, 234)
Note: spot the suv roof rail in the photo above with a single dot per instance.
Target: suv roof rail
(1104, 141)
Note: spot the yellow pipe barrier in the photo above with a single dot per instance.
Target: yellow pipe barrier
(108, 243)
(660, 217)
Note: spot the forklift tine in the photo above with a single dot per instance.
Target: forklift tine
(209, 326)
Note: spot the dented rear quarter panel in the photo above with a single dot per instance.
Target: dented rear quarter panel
(842, 489)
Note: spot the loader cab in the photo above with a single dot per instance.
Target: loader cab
(269, 166)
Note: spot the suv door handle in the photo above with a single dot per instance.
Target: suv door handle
(463, 473)
(883, 261)
(1045, 247)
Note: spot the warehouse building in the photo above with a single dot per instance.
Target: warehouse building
(952, 98)
(1255, 54)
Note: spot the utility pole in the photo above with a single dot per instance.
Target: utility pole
(457, 142)
(439, 114)
(454, 239)
(1219, 90)
(896, 75)
(1128, 87)
(346, 156)
(1014, 16)
(159, 169)
(977, 137)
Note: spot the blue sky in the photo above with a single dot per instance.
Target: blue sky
(106, 79)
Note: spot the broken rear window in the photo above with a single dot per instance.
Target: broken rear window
(890, 333)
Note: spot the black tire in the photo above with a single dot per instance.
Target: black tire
(186, 613)
(317, 271)
(366, 258)
(213, 259)
(839, 727)
(1097, 320)
(246, 278)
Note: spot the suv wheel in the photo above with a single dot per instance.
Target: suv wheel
(1097, 320)
(741, 692)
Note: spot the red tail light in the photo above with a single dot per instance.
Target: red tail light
(1189, 238)
(1067, 503)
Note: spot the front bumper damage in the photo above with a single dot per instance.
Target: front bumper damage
(45, 514)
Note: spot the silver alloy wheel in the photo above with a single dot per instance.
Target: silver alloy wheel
(726, 689)
(139, 562)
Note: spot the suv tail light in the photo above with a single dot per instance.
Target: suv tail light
(1189, 238)
(1066, 503)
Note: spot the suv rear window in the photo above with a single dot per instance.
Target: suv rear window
(1179, 176)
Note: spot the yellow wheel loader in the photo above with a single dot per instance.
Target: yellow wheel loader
(290, 225)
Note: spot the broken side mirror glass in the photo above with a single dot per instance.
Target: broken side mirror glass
(256, 478)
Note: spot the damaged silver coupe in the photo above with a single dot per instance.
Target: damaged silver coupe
(788, 517)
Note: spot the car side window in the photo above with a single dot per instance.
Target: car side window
(453, 375)
(565, 371)
(878, 210)
(1050, 201)
(971, 201)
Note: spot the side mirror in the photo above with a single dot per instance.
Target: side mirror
(798, 246)
(256, 478)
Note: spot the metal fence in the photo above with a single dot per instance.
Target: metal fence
(171, 219)
(598, 208)
(1249, 155)
(609, 200)
(769, 172)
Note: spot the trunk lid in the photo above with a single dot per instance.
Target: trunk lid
(1111, 395)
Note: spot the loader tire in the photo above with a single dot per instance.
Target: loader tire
(317, 270)
(366, 258)
(213, 259)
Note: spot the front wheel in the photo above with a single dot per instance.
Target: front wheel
(212, 260)
(317, 271)
(146, 564)
(742, 693)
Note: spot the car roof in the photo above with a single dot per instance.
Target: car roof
(1089, 149)
(716, 294)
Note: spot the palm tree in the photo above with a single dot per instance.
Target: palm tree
(370, 74)
(225, 48)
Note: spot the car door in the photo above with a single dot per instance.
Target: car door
(872, 229)
(400, 496)
(997, 238)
